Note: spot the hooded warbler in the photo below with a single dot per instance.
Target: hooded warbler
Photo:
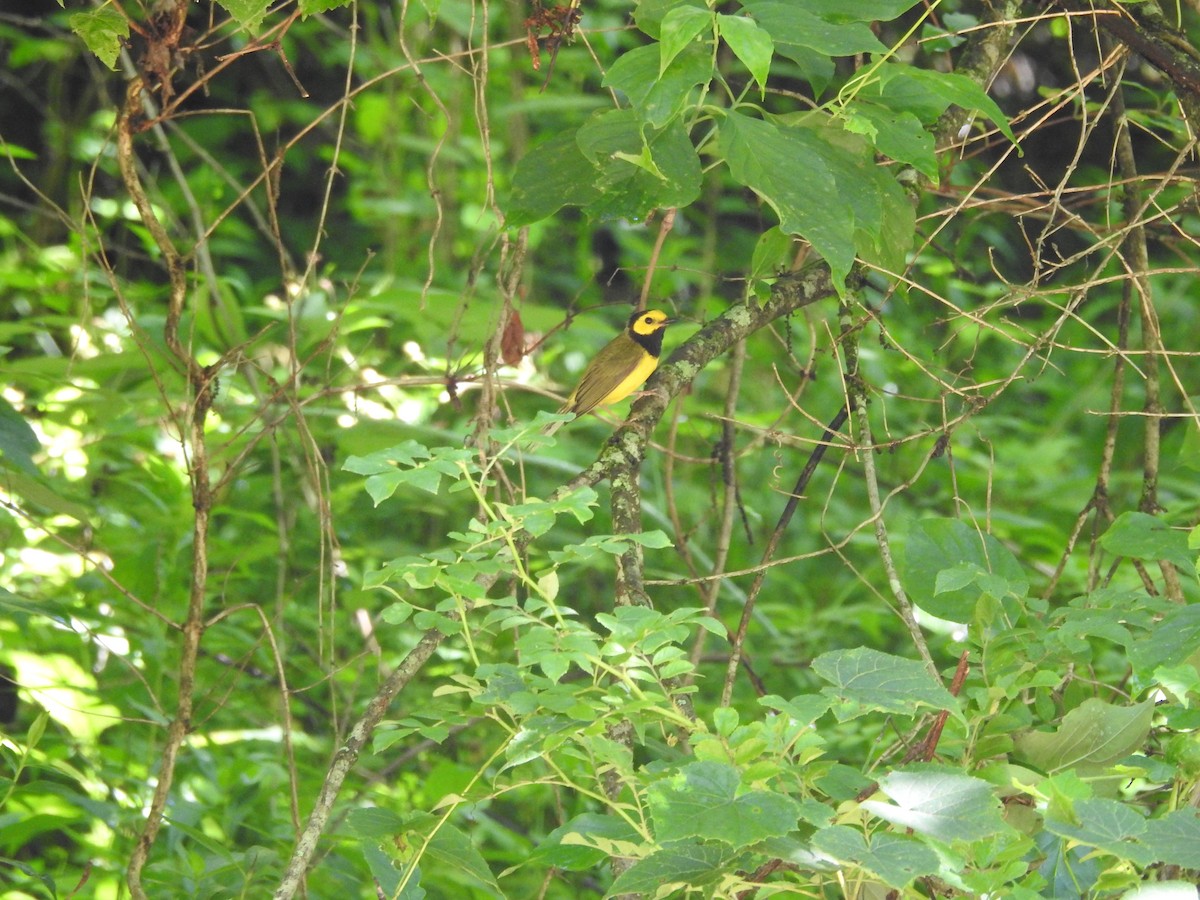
(625, 362)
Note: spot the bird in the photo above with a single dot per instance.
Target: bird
(620, 367)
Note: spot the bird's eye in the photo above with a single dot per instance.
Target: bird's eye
(648, 320)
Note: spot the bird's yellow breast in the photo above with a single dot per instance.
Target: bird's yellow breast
(644, 369)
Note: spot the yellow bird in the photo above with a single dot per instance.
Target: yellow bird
(625, 362)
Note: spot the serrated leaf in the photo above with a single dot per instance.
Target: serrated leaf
(248, 13)
(943, 804)
(1174, 839)
(312, 7)
(882, 681)
(1092, 735)
(373, 822)
(682, 863)
(454, 852)
(805, 709)
(102, 30)
(892, 859)
(1108, 825)
(573, 846)
(702, 801)
(1169, 642)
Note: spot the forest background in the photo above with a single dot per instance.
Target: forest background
(887, 586)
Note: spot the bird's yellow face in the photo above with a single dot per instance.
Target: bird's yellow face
(648, 322)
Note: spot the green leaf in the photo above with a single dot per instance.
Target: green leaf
(1108, 825)
(702, 801)
(680, 27)
(749, 43)
(1174, 839)
(657, 97)
(583, 842)
(941, 803)
(898, 135)
(1169, 643)
(641, 168)
(102, 30)
(787, 169)
(18, 442)
(927, 94)
(804, 709)
(1091, 736)
(373, 822)
(1142, 536)
(882, 681)
(793, 24)
(773, 251)
(936, 546)
(248, 13)
(682, 864)
(312, 7)
(552, 175)
(894, 860)
(455, 853)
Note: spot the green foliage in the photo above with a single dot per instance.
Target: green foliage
(970, 665)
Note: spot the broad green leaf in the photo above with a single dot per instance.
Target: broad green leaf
(702, 801)
(1108, 825)
(1170, 642)
(804, 709)
(685, 864)
(373, 822)
(894, 860)
(18, 442)
(787, 169)
(680, 27)
(102, 30)
(749, 43)
(792, 23)
(897, 135)
(773, 251)
(583, 842)
(941, 803)
(648, 15)
(881, 681)
(1092, 736)
(641, 168)
(656, 97)
(1174, 839)
(928, 94)
(860, 10)
(387, 876)
(1142, 536)
(453, 851)
(43, 492)
(311, 7)
(552, 175)
(935, 546)
(248, 13)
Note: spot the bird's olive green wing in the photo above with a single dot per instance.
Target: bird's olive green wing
(619, 361)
